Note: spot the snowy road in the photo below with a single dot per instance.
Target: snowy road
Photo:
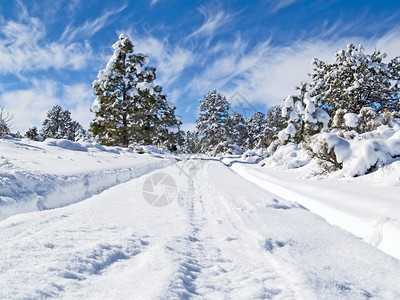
(222, 238)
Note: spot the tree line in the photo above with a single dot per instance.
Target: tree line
(354, 94)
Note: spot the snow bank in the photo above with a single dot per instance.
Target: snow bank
(289, 156)
(360, 155)
(365, 152)
(38, 176)
(254, 156)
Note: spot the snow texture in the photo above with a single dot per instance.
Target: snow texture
(38, 176)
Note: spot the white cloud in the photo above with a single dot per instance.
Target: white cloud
(214, 20)
(170, 61)
(29, 106)
(23, 48)
(265, 74)
(90, 27)
(154, 2)
(78, 99)
(188, 127)
(281, 4)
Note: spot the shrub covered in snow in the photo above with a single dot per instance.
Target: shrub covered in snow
(289, 156)
(254, 156)
(357, 156)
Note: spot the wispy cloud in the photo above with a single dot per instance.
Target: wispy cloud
(29, 106)
(90, 27)
(23, 47)
(266, 74)
(170, 60)
(281, 4)
(214, 19)
(154, 2)
(78, 98)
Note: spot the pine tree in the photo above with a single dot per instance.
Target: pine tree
(59, 125)
(255, 126)
(274, 122)
(32, 133)
(5, 121)
(356, 80)
(169, 134)
(211, 123)
(237, 130)
(128, 107)
(303, 116)
(191, 144)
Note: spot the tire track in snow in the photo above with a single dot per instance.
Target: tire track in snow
(188, 249)
(218, 258)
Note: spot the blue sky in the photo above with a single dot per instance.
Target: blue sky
(254, 52)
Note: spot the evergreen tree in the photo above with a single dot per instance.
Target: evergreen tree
(211, 123)
(5, 120)
(274, 122)
(303, 116)
(255, 127)
(356, 80)
(128, 107)
(169, 134)
(32, 133)
(59, 125)
(237, 130)
(191, 143)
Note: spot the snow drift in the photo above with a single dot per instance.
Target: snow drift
(38, 176)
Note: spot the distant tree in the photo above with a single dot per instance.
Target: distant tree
(59, 125)
(128, 107)
(5, 122)
(16, 135)
(211, 123)
(273, 124)
(255, 127)
(32, 133)
(169, 134)
(236, 130)
(356, 80)
(191, 144)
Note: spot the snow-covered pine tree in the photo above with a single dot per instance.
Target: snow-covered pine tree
(128, 107)
(211, 123)
(59, 125)
(237, 130)
(274, 122)
(169, 134)
(5, 120)
(191, 144)
(356, 80)
(32, 133)
(303, 116)
(255, 127)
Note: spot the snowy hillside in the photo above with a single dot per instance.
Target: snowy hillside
(233, 229)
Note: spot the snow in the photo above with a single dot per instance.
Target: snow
(142, 86)
(255, 233)
(351, 120)
(37, 176)
(2, 123)
(367, 206)
(322, 116)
